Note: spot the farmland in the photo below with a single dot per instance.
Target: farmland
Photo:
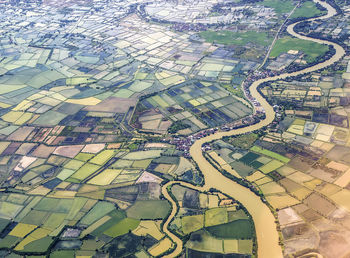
(311, 50)
(193, 106)
(284, 6)
(217, 228)
(307, 9)
(111, 118)
(75, 194)
(232, 38)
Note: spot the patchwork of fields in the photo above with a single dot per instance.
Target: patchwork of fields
(101, 100)
(199, 105)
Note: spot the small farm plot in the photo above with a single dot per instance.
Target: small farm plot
(215, 216)
(270, 154)
(84, 172)
(141, 155)
(150, 209)
(192, 223)
(312, 50)
(238, 229)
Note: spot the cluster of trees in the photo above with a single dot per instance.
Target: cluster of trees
(177, 126)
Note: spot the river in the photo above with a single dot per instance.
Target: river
(265, 226)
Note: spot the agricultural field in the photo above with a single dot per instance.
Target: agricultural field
(307, 9)
(281, 7)
(302, 172)
(101, 101)
(87, 191)
(243, 141)
(236, 38)
(222, 227)
(197, 105)
(311, 50)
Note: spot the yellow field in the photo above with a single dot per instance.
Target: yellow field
(35, 235)
(85, 171)
(106, 177)
(217, 158)
(329, 189)
(263, 180)
(192, 223)
(95, 225)
(24, 118)
(215, 216)
(272, 165)
(299, 121)
(255, 176)
(337, 166)
(24, 105)
(342, 198)
(194, 102)
(12, 116)
(149, 227)
(285, 170)
(344, 180)
(301, 193)
(313, 183)
(21, 230)
(91, 101)
(176, 79)
(161, 247)
(3, 146)
(296, 129)
(271, 188)
(230, 246)
(300, 177)
(62, 194)
(40, 190)
(281, 201)
(103, 157)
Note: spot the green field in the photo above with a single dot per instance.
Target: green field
(280, 6)
(307, 9)
(85, 171)
(122, 227)
(142, 163)
(205, 243)
(249, 157)
(149, 209)
(236, 215)
(192, 223)
(97, 212)
(62, 254)
(244, 141)
(40, 245)
(141, 155)
(271, 154)
(9, 210)
(227, 37)
(238, 229)
(84, 156)
(271, 166)
(215, 216)
(54, 220)
(312, 50)
(237, 91)
(116, 217)
(103, 157)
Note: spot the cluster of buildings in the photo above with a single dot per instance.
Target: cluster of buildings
(211, 13)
